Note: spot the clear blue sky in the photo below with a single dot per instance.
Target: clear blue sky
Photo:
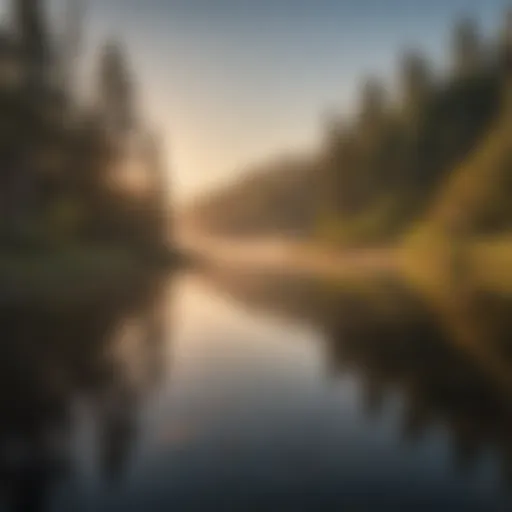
(232, 82)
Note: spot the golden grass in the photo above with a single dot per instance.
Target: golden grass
(490, 262)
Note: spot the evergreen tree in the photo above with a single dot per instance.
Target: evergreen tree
(467, 48)
(31, 29)
(373, 103)
(116, 94)
(416, 82)
(156, 206)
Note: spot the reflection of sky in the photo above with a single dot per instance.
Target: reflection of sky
(233, 81)
(248, 412)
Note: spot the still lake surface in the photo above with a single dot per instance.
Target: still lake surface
(245, 391)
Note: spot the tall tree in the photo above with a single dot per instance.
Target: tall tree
(506, 36)
(116, 95)
(30, 26)
(416, 82)
(373, 102)
(71, 44)
(467, 48)
(158, 186)
(505, 56)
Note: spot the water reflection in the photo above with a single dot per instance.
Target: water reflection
(55, 358)
(287, 394)
(450, 361)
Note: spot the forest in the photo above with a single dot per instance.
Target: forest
(83, 180)
(434, 151)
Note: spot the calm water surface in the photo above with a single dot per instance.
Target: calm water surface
(251, 392)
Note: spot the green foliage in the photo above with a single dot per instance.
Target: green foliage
(430, 171)
(61, 163)
(372, 226)
(381, 172)
(115, 88)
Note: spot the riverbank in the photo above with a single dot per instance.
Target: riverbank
(434, 263)
(441, 265)
(75, 272)
(491, 263)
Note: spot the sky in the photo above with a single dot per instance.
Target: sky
(231, 83)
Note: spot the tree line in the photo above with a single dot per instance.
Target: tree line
(71, 170)
(381, 169)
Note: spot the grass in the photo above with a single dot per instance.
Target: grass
(442, 255)
(382, 221)
(66, 273)
(441, 265)
(426, 256)
(490, 261)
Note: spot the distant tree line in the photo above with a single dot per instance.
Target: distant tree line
(394, 157)
(381, 169)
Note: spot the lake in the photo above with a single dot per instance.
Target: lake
(238, 390)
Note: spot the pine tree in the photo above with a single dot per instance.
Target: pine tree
(467, 48)
(115, 92)
(416, 82)
(71, 45)
(158, 186)
(30, 27)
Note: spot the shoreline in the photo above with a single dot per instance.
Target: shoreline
(478, 263)
(77, 274)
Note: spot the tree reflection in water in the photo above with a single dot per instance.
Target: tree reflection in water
(450, 361)
(54, 354)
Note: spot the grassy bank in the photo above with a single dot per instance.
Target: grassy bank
(73, 272)
(490, 262)
(445, 266)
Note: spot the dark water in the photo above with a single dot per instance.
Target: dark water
(252, 392)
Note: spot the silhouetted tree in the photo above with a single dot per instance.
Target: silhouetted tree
(115, 90)
(467, 48)
(159, 186)
(373, 103)
(378, 173)
(71, 45)
(33, 38)
(60, 160)
(416, 83)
